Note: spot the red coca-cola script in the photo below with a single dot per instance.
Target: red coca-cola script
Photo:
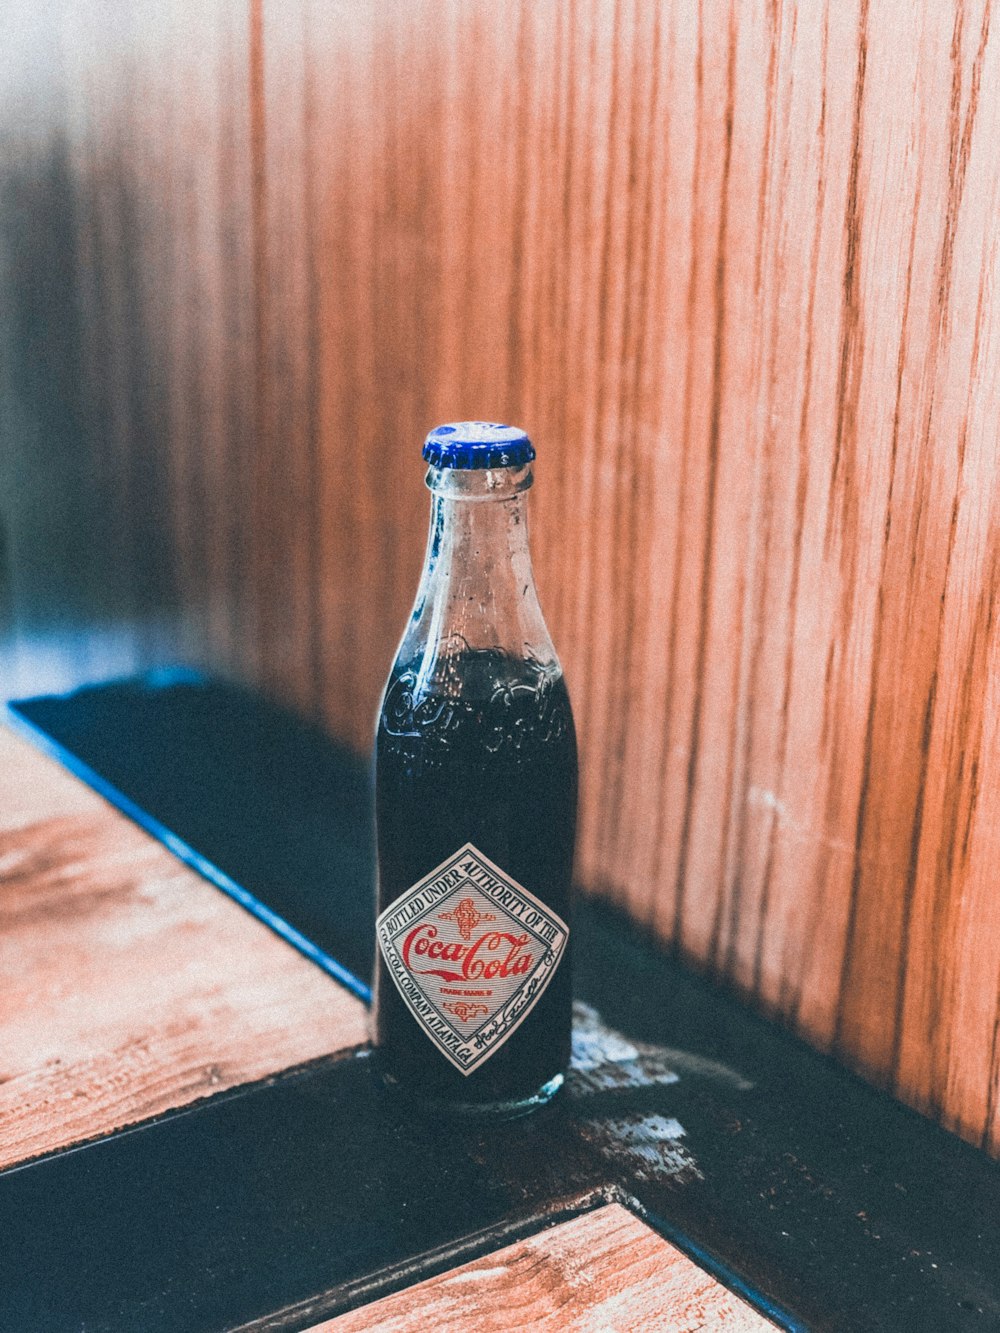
(493, 954)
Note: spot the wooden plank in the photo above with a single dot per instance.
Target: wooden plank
(735, 266)
(605, 1270)
(129, 985)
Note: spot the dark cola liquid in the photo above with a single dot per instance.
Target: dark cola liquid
(490, 760)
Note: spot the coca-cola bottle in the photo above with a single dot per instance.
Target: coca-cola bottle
(476, 787)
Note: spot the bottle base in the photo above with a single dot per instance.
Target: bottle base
(506, 1109)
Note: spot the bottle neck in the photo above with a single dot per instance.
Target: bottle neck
(477, 589)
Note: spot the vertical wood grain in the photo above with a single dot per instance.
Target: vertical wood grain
(734, 266)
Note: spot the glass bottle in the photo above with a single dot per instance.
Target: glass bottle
(476, 790)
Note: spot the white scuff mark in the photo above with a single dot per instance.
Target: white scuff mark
(763, 798)
(650, 1146)
(768, 800)
(646, 1135)
(604, 1059)
(594, 1044)
(477, 1275)
(702, 1067)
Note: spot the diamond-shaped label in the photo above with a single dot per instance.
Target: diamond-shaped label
(471, 952)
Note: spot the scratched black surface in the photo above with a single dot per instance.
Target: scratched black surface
(827, 1203)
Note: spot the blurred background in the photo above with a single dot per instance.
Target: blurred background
(732, 263)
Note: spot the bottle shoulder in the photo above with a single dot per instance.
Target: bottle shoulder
(478, 701)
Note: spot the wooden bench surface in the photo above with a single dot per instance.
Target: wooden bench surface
(128, 985)
(605, 1271)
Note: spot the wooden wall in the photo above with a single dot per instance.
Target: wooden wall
(734, 265)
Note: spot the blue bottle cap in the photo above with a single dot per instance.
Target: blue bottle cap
(477, 444)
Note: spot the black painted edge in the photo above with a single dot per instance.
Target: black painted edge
(431, 1263)
(466, 1249)
(306, 1069)
(183, 850)
(709, 1263)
